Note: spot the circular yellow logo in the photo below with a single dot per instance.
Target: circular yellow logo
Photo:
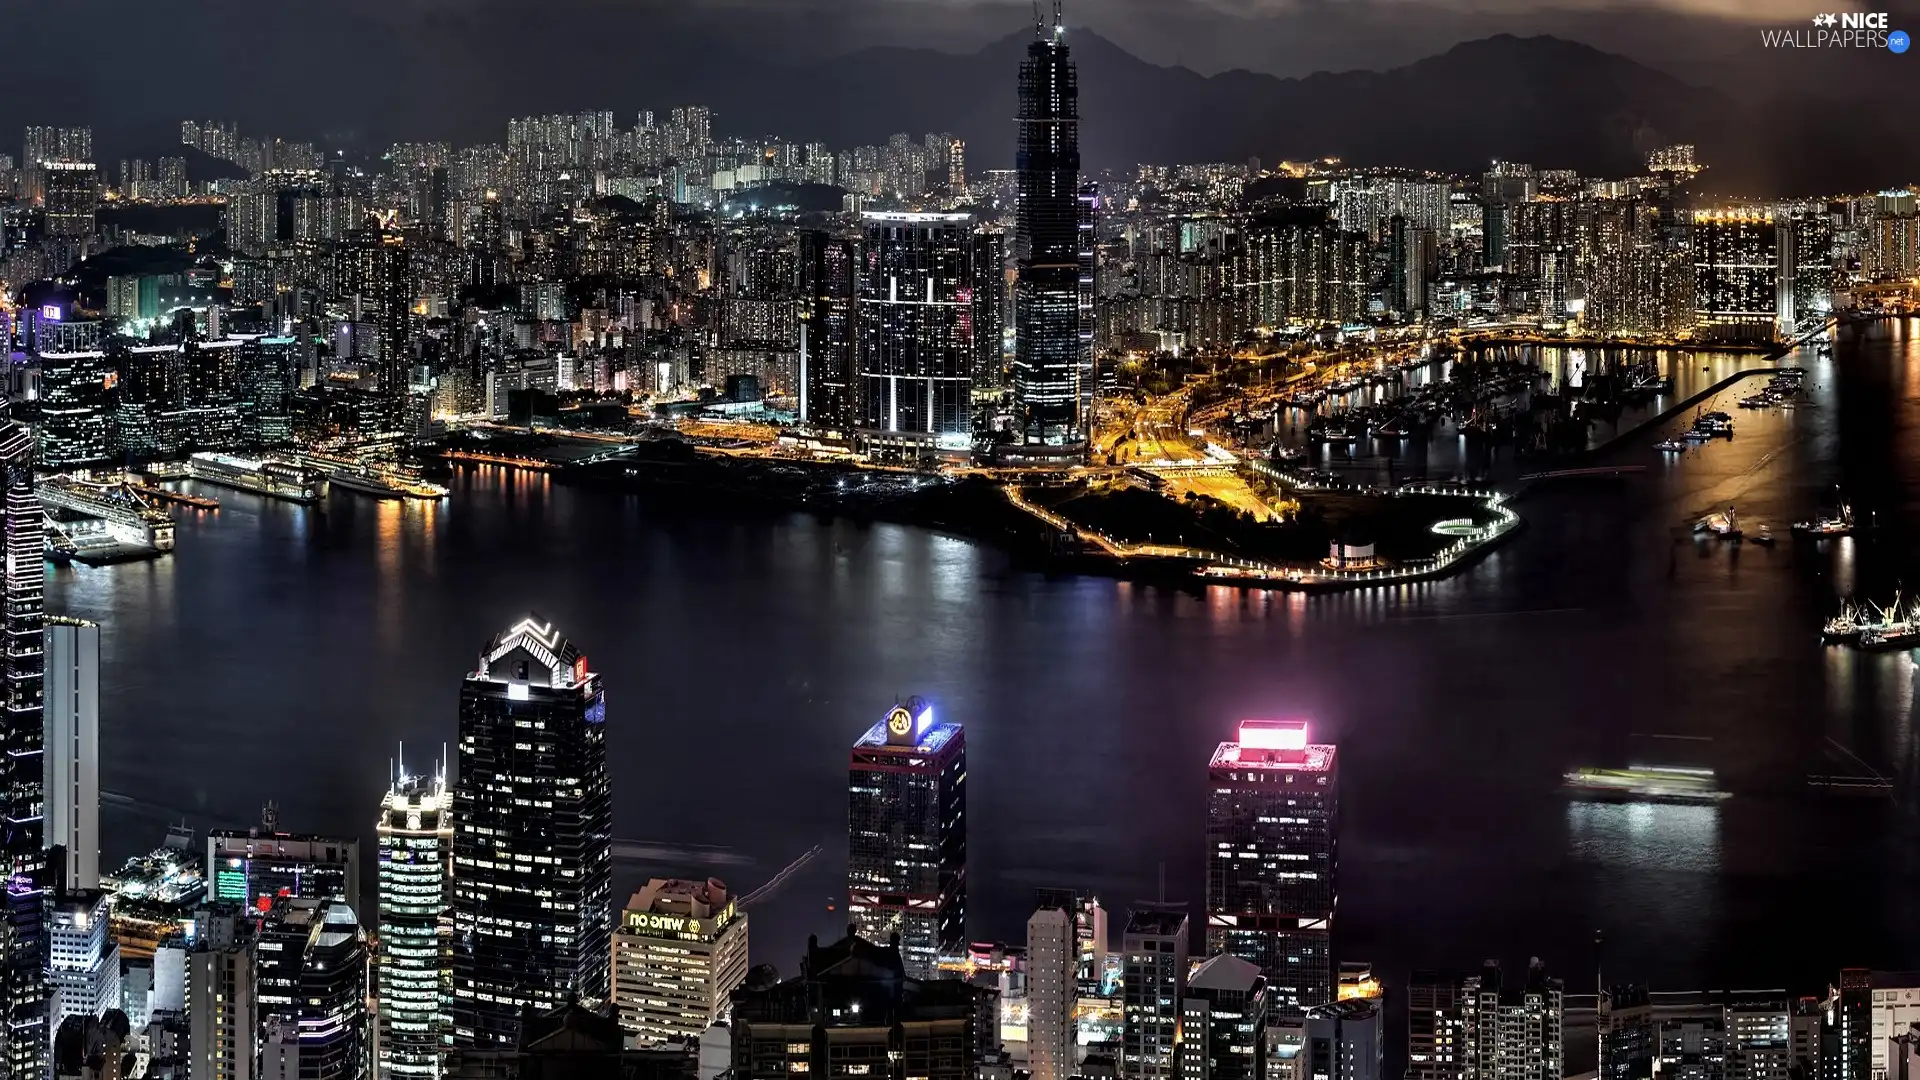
(899, 721)
(693, 927)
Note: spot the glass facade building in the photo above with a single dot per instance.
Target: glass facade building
(23, 966)
(1048, 351)
(907, 835)
(915, 319)
(1272, 831)
(414, 974)
(532, 836)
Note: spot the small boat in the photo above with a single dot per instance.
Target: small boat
(1763, 537)
(1670, 446)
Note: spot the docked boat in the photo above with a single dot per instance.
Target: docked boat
(1904, 635)
(1644, 783)
(1843, 628)
(365, 482)
(1874, 627)
(262, 476)
(1839, 523)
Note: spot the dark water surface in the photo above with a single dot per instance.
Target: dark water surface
(282, 654)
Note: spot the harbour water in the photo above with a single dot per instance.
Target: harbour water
(283, 652)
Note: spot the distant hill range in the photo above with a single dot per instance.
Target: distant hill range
(374, 73)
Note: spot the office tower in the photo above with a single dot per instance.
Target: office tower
(989, 307)
(71, 196)
(1345, 1040)
(1512, 1028)
(1154, 981)
(678, 954)
(914, 320)
(73, 429)
(311, 975)
(72, 768)
(829, 281)
(1846, 1030)
(258, 866)
(1436, 1026)
(1896, 1008)
(532, 835)
(1223, 1022)
(1760, 1041)
(855, 1004)
(414, 974)
(23, 984)
(84, 963)
(1053, 980)
(1087, 255)
(1737, 274)
(907, 835)
(1627, 1037)
(1273, 827)
(1693, 1048)
(1046, 360)
(222, 998)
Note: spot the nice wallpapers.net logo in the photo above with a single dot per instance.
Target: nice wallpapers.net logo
(1840, 30)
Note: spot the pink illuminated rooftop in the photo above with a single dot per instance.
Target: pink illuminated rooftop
(1273, 744)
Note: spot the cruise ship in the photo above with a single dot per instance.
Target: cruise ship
(384, 485)
(275, 479)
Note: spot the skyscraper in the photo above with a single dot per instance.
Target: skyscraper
(1436, 1023)
(907, 835)
(533, 833)
(915, 338)
(257, 866)
(1512, 1029)
(73, 428)
(678, 955)
(1272, 853)
(23, 991)
(1223, 1022)
(1345, 1040)
(415, 971)
(830, 274)
(72, 767)
(1053, 982)
(311, 975)
(1154, 982)
(1047, 345)
(84, 959)
(222, 998)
